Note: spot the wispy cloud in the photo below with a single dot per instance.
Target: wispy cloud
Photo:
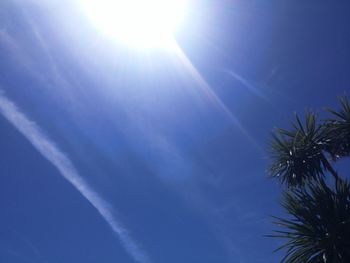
(6, 40)
(248, 85)
(54, 155)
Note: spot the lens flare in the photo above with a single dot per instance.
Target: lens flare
(138, 23)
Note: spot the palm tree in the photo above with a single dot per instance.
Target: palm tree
(318, 229)
(298, 155)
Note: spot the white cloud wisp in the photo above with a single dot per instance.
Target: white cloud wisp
(57, 158)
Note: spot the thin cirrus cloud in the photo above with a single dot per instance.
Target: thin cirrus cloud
(249, 86)
(57, 158)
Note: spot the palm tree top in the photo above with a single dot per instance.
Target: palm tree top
(297, 154)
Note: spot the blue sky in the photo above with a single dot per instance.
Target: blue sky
(111, 154)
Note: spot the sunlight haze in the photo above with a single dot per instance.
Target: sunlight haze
(137, 23)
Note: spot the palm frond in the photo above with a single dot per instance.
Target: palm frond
(318, 227)
(338, 130)
(297, 154)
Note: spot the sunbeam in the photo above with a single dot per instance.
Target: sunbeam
(208, 91)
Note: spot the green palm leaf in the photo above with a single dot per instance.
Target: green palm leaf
(297, 154)
(318, 229)
(338, 130)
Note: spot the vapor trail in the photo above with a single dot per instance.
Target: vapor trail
(57, 158)
(246, 83)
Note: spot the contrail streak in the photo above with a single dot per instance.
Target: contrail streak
(53, 154)
(246, 83)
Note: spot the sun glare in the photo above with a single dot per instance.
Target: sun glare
(137, 23)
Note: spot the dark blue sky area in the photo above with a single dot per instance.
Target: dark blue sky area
(183, 175)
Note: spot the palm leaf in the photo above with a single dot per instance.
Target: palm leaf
(297, 154)
(318, 228)
(338, 130)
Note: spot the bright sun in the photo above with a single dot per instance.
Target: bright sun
(137, 23)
